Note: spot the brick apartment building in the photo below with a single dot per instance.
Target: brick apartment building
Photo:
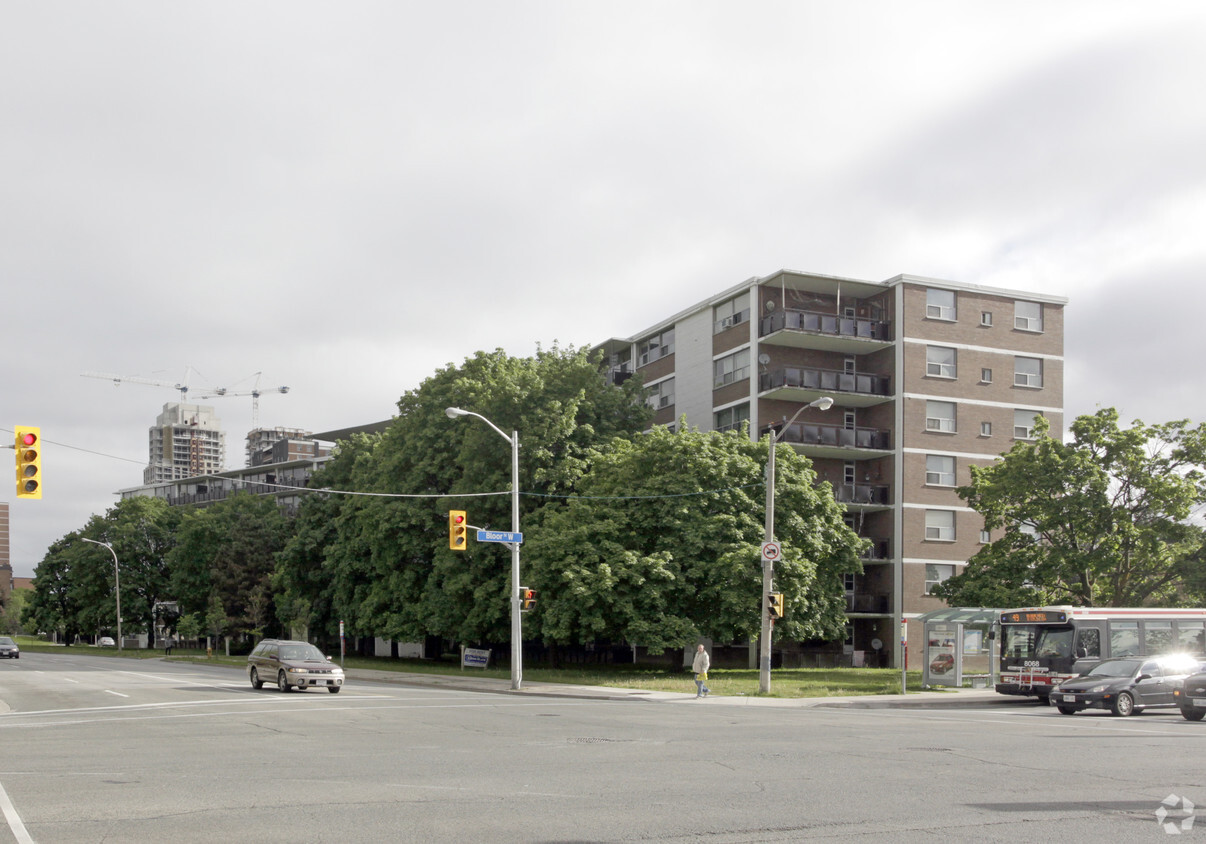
(928, 378)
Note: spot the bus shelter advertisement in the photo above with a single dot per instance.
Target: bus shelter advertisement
(943, 665)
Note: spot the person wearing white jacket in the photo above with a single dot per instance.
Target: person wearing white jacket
(700, 666)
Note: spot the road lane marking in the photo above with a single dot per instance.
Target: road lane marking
(111, 692)
(14, 820)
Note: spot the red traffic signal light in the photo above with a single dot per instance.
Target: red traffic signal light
(458, 537)
(527, 598)
(29, 461)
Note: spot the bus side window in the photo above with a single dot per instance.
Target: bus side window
(1088, 643)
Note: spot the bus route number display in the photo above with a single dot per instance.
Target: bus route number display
(1035, 617)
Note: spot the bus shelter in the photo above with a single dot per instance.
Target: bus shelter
(960, 643)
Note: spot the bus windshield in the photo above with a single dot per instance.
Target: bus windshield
(1027, 641)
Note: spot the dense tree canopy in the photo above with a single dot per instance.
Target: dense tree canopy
(661, 545)
(1102, 520)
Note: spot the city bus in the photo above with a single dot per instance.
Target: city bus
(1043, 646)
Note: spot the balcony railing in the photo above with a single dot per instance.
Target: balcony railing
(819, 323)
(881, 549)
(807, 433)
(828, 380)
(862, 493)
(867, 603)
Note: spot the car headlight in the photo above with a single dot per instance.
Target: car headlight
(1098, 689)
(298, 671)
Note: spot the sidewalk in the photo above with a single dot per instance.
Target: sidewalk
(469, 683)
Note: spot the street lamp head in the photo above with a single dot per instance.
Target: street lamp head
(454, 412)
(823, 403)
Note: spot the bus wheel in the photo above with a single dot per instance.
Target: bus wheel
(1124, 704)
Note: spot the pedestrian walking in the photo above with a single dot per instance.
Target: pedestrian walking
(700, 666)
(167, 646)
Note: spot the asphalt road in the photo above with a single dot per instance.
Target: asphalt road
(105, 750)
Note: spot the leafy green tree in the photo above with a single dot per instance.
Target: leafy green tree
(381, 562)
(229, 549)
(56, 606)
(661, 544)
(10, 613)
(1103, 520)
(189, 627)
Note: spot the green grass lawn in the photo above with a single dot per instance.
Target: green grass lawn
(785, 682)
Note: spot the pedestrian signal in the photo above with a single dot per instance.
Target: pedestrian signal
(774, 602)
(29, 462)
(458, 536)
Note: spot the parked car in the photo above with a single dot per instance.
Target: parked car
(9, 649)
(290, 665)
(1126, 685)
(106, 642)
(1191, 697)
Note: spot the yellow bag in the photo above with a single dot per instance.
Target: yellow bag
(702, 676)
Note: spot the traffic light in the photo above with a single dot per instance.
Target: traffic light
(458, 537)
(29, 462)
(527, 598)
(774, 603)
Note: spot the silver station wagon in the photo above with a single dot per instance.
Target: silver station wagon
(292, 665)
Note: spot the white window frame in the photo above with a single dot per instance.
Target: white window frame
(986, 319)
(656, 347)
(948, 571)
(941, 424)
(985, 537)
(986, 429)
(1028, 316)
(939, 470)
(731, 369)
(733, 312)
(1027, 379)
(1024, 432)
(941, 361)
(936, 306)
(940, 525)
(661, 394)
(985, 375)
(734, 415)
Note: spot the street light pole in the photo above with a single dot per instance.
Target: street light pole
(768, 566)
(116, 584)
(516, 618)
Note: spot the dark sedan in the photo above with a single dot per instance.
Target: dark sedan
(9, 649)
(1191, 697)
(1125, 685)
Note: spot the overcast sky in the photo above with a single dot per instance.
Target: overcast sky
(348, 196)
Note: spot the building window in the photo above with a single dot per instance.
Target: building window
(939, 470)
(986, 319)
(985, 537)
(940, 361)
(940, 416)
(661, 394)
(656, 347)
(940, 304)
(1027, 372)
(1023, 424)
(731, 368)
(849, 473)
(731, 418)
(940, 525)
(935, 573)
(986, 429)
(730, 313)
(986, 376)
(1028, 316)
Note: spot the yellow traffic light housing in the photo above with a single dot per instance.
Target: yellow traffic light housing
(527, 598)
(29, 461)
(774, 603)
(458, 527)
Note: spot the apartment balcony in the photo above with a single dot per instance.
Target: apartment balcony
(861, 603)
(879, 552)
(863, 496)
(816, 330)
(836, 440)
(804, 385)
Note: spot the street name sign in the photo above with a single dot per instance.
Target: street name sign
(499, 536)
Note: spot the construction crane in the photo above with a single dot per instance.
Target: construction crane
(118, 380)
(254, 392)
